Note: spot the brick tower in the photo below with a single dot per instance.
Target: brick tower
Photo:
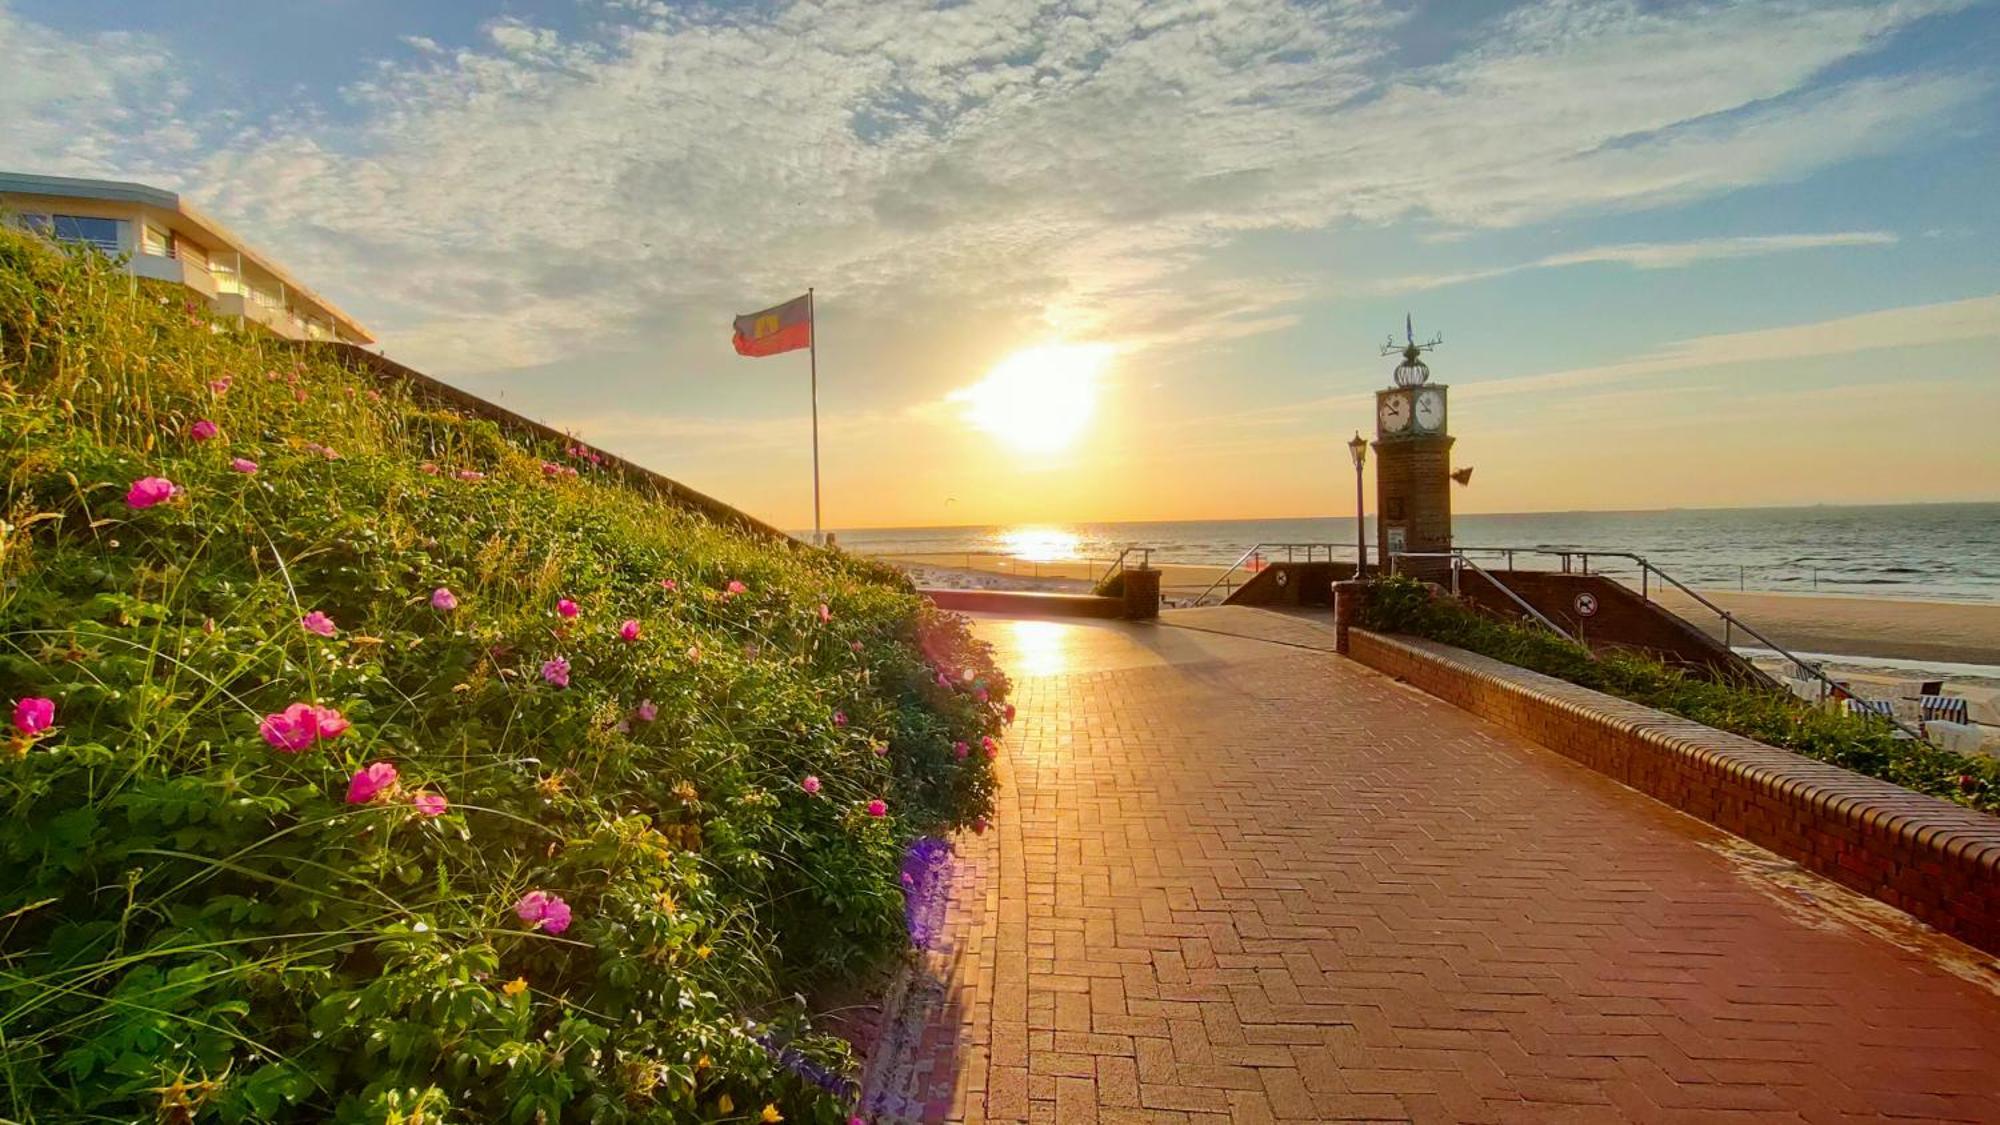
(1412, 465)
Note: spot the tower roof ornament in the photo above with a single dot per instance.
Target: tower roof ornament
(1413, 371)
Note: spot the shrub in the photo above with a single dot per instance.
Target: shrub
(449, 857)
(1863, 744)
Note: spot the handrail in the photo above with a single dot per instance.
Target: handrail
(1730, 622)
(1118, 563)
(1259, 548)
(1459, 560)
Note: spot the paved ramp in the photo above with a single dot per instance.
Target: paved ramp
(1234, 877)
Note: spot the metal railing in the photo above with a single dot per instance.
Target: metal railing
(1118, 564)
(1458, 562)
(1257, 552)
(1730, 622)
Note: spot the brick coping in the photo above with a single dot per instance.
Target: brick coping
(1936, 860)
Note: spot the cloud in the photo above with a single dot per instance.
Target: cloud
(1975, 318)
(1652, 256)
(1032, 169)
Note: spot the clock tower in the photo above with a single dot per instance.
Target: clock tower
(1412, 465)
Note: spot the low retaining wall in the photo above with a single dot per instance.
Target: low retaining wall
(1933, 859)
(1026, 603)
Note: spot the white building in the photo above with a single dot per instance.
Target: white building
(164, 238)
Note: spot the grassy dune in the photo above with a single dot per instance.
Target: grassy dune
(595, 873)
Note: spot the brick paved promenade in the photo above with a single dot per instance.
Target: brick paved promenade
(1235, 879)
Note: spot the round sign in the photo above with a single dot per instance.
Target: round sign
(1284, 579)
(1586, 605)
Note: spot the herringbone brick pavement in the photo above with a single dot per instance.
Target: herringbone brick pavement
(1265, 883)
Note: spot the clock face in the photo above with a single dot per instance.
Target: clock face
(1430, 411)
(1394, 413)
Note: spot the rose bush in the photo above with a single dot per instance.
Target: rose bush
(458, 857)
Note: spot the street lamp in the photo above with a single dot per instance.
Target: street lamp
(1359, 448)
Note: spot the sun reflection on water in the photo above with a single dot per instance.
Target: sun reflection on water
(1040, 544)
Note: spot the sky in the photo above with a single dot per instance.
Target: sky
(1113, 260)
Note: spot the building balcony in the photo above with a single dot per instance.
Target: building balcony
(176, 271)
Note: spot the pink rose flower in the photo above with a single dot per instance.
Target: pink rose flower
(443, 599)
(429, 804)
(959, 750)
(825, 614)
(317, 622)
(148, 491)
(628, 631)
(734, 588)
(299, 394)
(1009, 713)
(551, 469)
(544, 911)
(567, 608)
(328, 723)
(243, 465)
(878, 808)
(669, 585)
(430, 467)
(469, 474)
(855, 645)
(221, 386)
(979, 826)
(34, 714)
(556, 672)
(301, 725)
(810, 784)
(840, 718)
(370, 782)
(880, 748)
(980, 695)
(203, 430)
(647, 712)
(991, 747)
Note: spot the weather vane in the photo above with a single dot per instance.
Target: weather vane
(1409, 347)
(1412, 371)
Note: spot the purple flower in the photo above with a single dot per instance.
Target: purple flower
(34, 714)
(556, 671)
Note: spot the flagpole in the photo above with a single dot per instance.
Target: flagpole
(819, 539)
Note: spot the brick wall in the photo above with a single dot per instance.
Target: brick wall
(1305, 583)
(1623, 618)
(1026, 603)
(1935, 860)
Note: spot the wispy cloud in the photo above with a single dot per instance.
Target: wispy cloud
(1911, 326)
(503, 205)
(1651, 256)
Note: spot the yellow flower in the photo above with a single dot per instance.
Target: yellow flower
(771, 1116)
(515, 987)
(702, 1063)
(703, 952)
(724, 1105)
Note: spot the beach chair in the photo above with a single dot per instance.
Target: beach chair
(1946, 708)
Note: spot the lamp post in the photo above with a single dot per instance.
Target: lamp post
(1359, 449)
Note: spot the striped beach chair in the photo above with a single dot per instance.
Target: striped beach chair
(1945, 708)
(1881, 707)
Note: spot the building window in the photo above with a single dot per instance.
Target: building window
(155, 241)
(107, 235)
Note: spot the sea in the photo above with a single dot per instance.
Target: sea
(1945, 552)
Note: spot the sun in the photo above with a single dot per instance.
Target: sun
(1038, 399)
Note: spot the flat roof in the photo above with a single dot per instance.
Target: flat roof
(120, 191)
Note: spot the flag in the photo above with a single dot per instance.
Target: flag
(780, 328)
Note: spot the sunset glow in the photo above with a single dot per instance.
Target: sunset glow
(1039, 399)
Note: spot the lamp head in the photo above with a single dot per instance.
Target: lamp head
(1358, 449)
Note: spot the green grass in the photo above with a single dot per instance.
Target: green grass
(1863, 744)
(197, 926)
